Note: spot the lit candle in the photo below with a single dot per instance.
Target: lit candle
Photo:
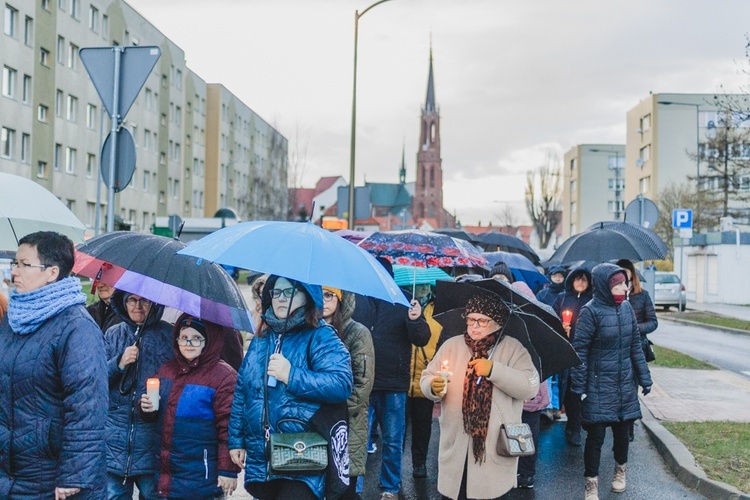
(152, 391)
(567, 316)
(445, 374)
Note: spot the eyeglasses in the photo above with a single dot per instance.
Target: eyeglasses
(480, 322)
(24, 265)
(328, 296)
(133, 302)
(197, 342)
(277, 292)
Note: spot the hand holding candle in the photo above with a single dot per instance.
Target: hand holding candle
(444, 373)
(152, 393)
(567, 317)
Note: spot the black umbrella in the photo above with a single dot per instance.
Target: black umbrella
(602, 245)
(495, 240)
(636, 232)
(457, 233)
(534, 324)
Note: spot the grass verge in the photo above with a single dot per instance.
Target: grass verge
(710, 318)
(674, 359)
(722, 449)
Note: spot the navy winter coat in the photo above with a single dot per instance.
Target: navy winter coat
(132, 443)
(325, 378)
(609, 345)
(644, 312)
(571, 300)
(53, 405)
(549, 293)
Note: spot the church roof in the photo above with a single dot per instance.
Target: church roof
(389, 195)
(430, 103)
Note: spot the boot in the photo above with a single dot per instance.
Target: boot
(618, 483)
(592, 488)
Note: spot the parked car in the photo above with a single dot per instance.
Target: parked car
(669, 291)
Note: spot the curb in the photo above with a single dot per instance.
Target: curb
(682, 464)
(707, 326)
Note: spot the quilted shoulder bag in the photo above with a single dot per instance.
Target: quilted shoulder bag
(297, 452)
(514, 440)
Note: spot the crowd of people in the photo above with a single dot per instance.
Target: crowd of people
(121, 395)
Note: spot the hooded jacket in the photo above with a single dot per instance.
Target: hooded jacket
(132, 443)
(645, 314)
(320, 373)
(609, 345)
(103, 314)
(193, 419)
(549, 293)
(357, 339)
(572, 300)
(53, 408)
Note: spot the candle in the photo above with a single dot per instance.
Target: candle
(445, 374)
(567, 316)
(152, 391)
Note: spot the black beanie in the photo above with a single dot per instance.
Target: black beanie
(502, 268)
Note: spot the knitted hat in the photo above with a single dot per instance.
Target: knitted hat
(488, 304)
(195, 324)
(503, 269)
(617, 279)
(335, 291)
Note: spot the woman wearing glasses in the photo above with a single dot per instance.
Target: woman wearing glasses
(491, 373)
(295, 363)
(195, 398)
(52, 372)
(136, 349)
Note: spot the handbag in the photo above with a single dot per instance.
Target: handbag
(648, 351)
(297, 452)
(514, 440)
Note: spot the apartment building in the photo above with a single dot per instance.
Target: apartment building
(52, 126)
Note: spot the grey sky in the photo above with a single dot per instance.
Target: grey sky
(513, 80)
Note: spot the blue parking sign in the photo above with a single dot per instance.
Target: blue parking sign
(682, 218)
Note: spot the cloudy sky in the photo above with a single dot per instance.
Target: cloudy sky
(515, 81)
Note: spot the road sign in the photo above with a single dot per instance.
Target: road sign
(686, 232)
(136, 64)
(642, 211)
(682, 218)
(124, 158)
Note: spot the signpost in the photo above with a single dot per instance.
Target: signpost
(118, 74)
(682, 220)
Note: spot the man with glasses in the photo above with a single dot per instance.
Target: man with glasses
(136, 349)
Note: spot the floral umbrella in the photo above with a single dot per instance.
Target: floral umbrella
(417, 248)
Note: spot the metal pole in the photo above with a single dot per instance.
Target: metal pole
(617, 185)
(352, 145)
(682, 263)
(113, 132)
(697, 162)
(98, 215)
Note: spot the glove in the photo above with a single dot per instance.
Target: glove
(482, 366)
(646, 390)
(438, 385)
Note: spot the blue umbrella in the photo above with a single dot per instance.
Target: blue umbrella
(409, 275)
(521, 267)
(299, 251)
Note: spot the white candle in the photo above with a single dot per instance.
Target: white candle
(445, 374)
(152, 391)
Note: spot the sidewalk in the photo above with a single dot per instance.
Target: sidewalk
(730, 310)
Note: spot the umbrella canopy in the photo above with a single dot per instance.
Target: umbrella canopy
(459, 234)
(495, 240)
(413, 247)
(353, 236)
(409, 275)
(26, 207)
(601, 245)
(301, 251)
(149, 266)
(534, 324)
(521, 267)
(636, 232)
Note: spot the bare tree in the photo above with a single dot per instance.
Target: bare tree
(675, 196)
(507, 217)
(543, 192)
(297, 168)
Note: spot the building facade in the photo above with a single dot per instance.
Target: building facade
(52, 123)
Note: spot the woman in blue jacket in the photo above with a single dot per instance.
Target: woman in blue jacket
(300, 362)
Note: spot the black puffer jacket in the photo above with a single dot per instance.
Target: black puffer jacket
(644, 312)
(609, 345)
(551, 291)
(571, 300)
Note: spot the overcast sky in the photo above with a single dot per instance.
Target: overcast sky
(514, 81)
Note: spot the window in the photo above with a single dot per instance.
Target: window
(45, 5)
(25, 147)
(41, 169)
(619, 186)
(105, 26)
(58, 157)
(645, 153)
(162, 158)
(144, 220)
(162, 197)
(178, 116)
(44, 57)
(176, 192)
(146, 177)
(11, 20)
(646, 123)
(146, 139)
(149, 99)
(645, 184)
(93, 19)
(90, 213)
(572, 187)
(73, 56)
(91, 116)
(9, 81)
(70, 160)
(163, 119)
(612, 204)
(26, 91)
(90, 165)
(178, 82)
(164, 81)
(71, 204)
(61, 5)
(7, 140)
(72, 108)
(75, 8)
(573, 207)
(28, 31)
(187, 172)
(42, 113)
(59, 98)
(60, 49)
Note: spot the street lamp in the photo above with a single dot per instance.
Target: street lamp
(357, 15)
(617, 176)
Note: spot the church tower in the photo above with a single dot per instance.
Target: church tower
(428, 192)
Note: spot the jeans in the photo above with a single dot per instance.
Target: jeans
(390, 412)
(117, 491)
(592, 452)
(420, 413)
(527, 465)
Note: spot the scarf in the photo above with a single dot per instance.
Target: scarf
(619, 299)
(282, 326)
(28, 311)
(477, 399)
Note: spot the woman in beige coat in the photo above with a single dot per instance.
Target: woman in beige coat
(485, 381)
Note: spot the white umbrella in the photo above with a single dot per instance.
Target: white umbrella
(26, 207)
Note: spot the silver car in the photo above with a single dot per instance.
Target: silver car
(669, 291)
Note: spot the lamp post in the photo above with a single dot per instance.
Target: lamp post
(352, 148)
(617, 176)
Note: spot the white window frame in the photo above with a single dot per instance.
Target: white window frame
(9, 82)
(10, 21)
(7, 142)
(71, 155)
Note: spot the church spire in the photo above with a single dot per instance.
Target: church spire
(402, 171)
(430, 104)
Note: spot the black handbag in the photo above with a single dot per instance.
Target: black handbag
(648, 351)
